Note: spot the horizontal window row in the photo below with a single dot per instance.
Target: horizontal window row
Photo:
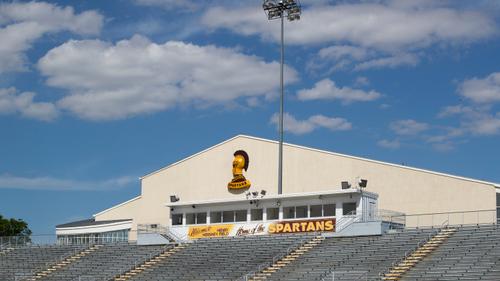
(289, 212)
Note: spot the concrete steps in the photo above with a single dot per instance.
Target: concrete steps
(65, 262)
(149, 263)
(397, 271)
(286, 260)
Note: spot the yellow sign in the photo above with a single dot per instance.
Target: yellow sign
(240, 163)
(302, 226)
(209, 231)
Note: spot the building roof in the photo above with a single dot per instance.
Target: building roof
(88, 222)
(497, 185)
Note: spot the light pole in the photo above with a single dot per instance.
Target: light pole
(278, 9)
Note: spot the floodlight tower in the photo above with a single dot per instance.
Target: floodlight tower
(279, 9)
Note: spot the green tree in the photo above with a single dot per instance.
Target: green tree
(14, 227)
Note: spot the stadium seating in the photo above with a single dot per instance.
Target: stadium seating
(370, 254)
(106, 262)
(24, 261)
(472, 253)
(221, 258)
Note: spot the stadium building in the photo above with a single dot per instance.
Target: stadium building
(230, 189)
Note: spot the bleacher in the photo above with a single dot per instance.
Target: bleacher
(22, 261)
(369, 254)
(105, 263)
(222, 258)
(471, 253)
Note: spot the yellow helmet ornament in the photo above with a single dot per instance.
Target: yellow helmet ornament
(240, 163)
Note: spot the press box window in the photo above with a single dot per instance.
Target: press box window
(196, 218)
(349, 209)
(301, 212)
(288, 212)
(228, 216)
(190, 218)
(215, 217)
(176, 219)
(315, 211)
(256, 214)
(201, 218)
(329, 210)
(273, 213)
(241, 215)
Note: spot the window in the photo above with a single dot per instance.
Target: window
(201, 218)
(329, 210)
(301, 212)
(190, 218)
(241, 215)
(215, 217)
(349, 209)
(288, 212)
(176, 219)
(273, 213)
(256, 214)
(228, 216)
(315, 211)
(196, 218)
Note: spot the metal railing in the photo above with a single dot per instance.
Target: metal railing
(457, 218)
(166, 231)
(346, 220)
(51, 239)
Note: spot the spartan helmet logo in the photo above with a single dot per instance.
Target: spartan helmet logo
(240, 163)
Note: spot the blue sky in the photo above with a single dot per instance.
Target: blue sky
(94, 94)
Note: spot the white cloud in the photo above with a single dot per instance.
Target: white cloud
(300, 127)
(362, 81)
(382, 26)
(51, 183)
(340, 51)
(23, 23)
(484, 125)
(327, 90)
(454, 110)
(408, 127)
(394, 144)
(13, 102)
(390, 62)
(169, 4)
(364, 35)
(138, 76)
(485, 90)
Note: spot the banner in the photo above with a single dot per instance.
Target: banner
(244, 229)
(302, 226)
(209, 231)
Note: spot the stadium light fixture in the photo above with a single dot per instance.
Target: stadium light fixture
(363, 183)
(345, 185)
(279, 9)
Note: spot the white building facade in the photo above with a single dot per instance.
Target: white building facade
(201, 180)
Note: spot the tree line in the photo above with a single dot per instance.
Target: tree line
(13, 227)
